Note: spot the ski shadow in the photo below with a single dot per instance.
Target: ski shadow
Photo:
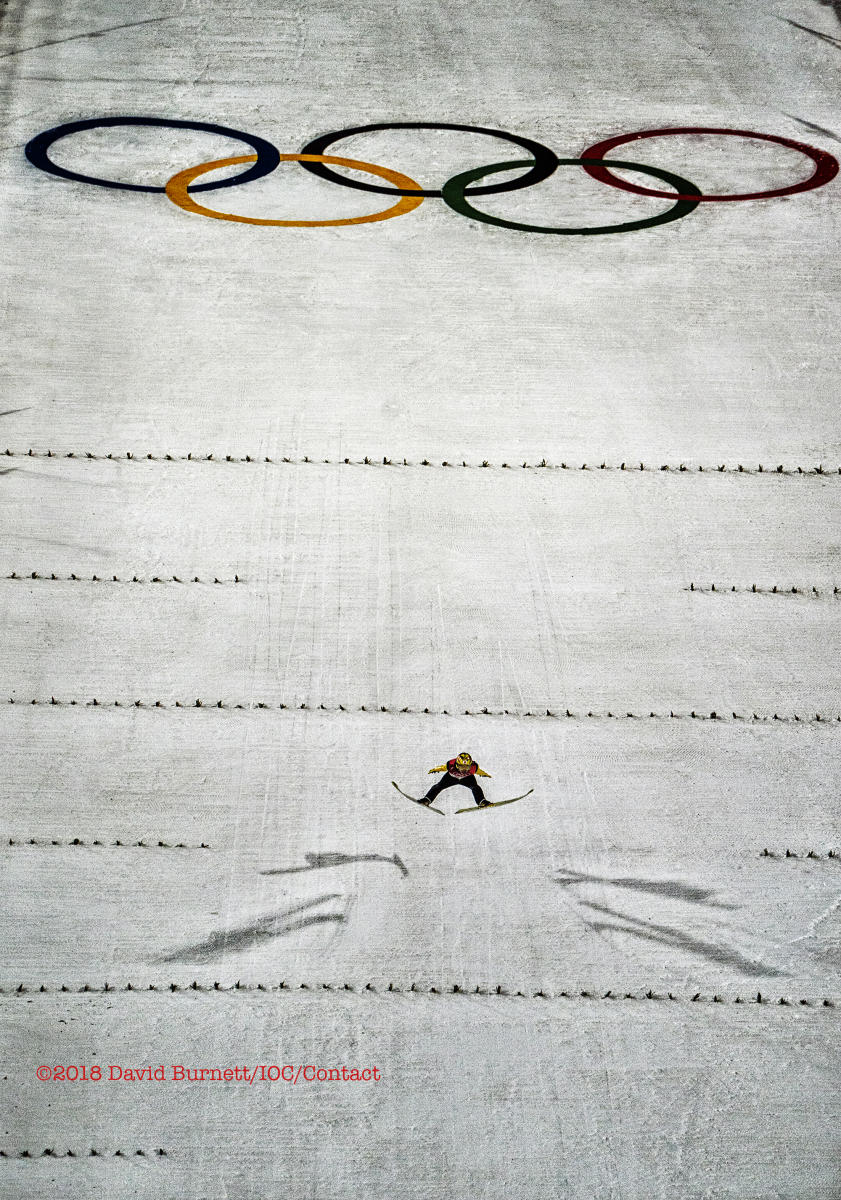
(813, 128)
(674, 889)
(230, 941)
(327, 858)
(666, 935)
(47, 541)
(823, 37)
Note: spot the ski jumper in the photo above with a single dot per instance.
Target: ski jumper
(455, 774)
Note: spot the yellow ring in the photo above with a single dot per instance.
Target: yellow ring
(177, 187)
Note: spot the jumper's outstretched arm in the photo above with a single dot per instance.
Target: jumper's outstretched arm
(435, 770)
(485, 774)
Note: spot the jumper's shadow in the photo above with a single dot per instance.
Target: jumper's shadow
(229, 941)
(329, 858)
(835, 5)
(673, 888)
(665, 935)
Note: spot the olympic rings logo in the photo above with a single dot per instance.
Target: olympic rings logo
(540, 164)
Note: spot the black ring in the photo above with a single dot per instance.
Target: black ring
(36, 151)
(455, 191)
(545, 160)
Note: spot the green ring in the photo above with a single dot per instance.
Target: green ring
(453, 195)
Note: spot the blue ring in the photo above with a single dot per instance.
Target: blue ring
(36, 151)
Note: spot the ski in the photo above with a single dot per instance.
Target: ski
(494, 803)
(415, 800)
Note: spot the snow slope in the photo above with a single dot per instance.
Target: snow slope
(292, 513)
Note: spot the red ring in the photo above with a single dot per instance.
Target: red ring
(826, 166)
